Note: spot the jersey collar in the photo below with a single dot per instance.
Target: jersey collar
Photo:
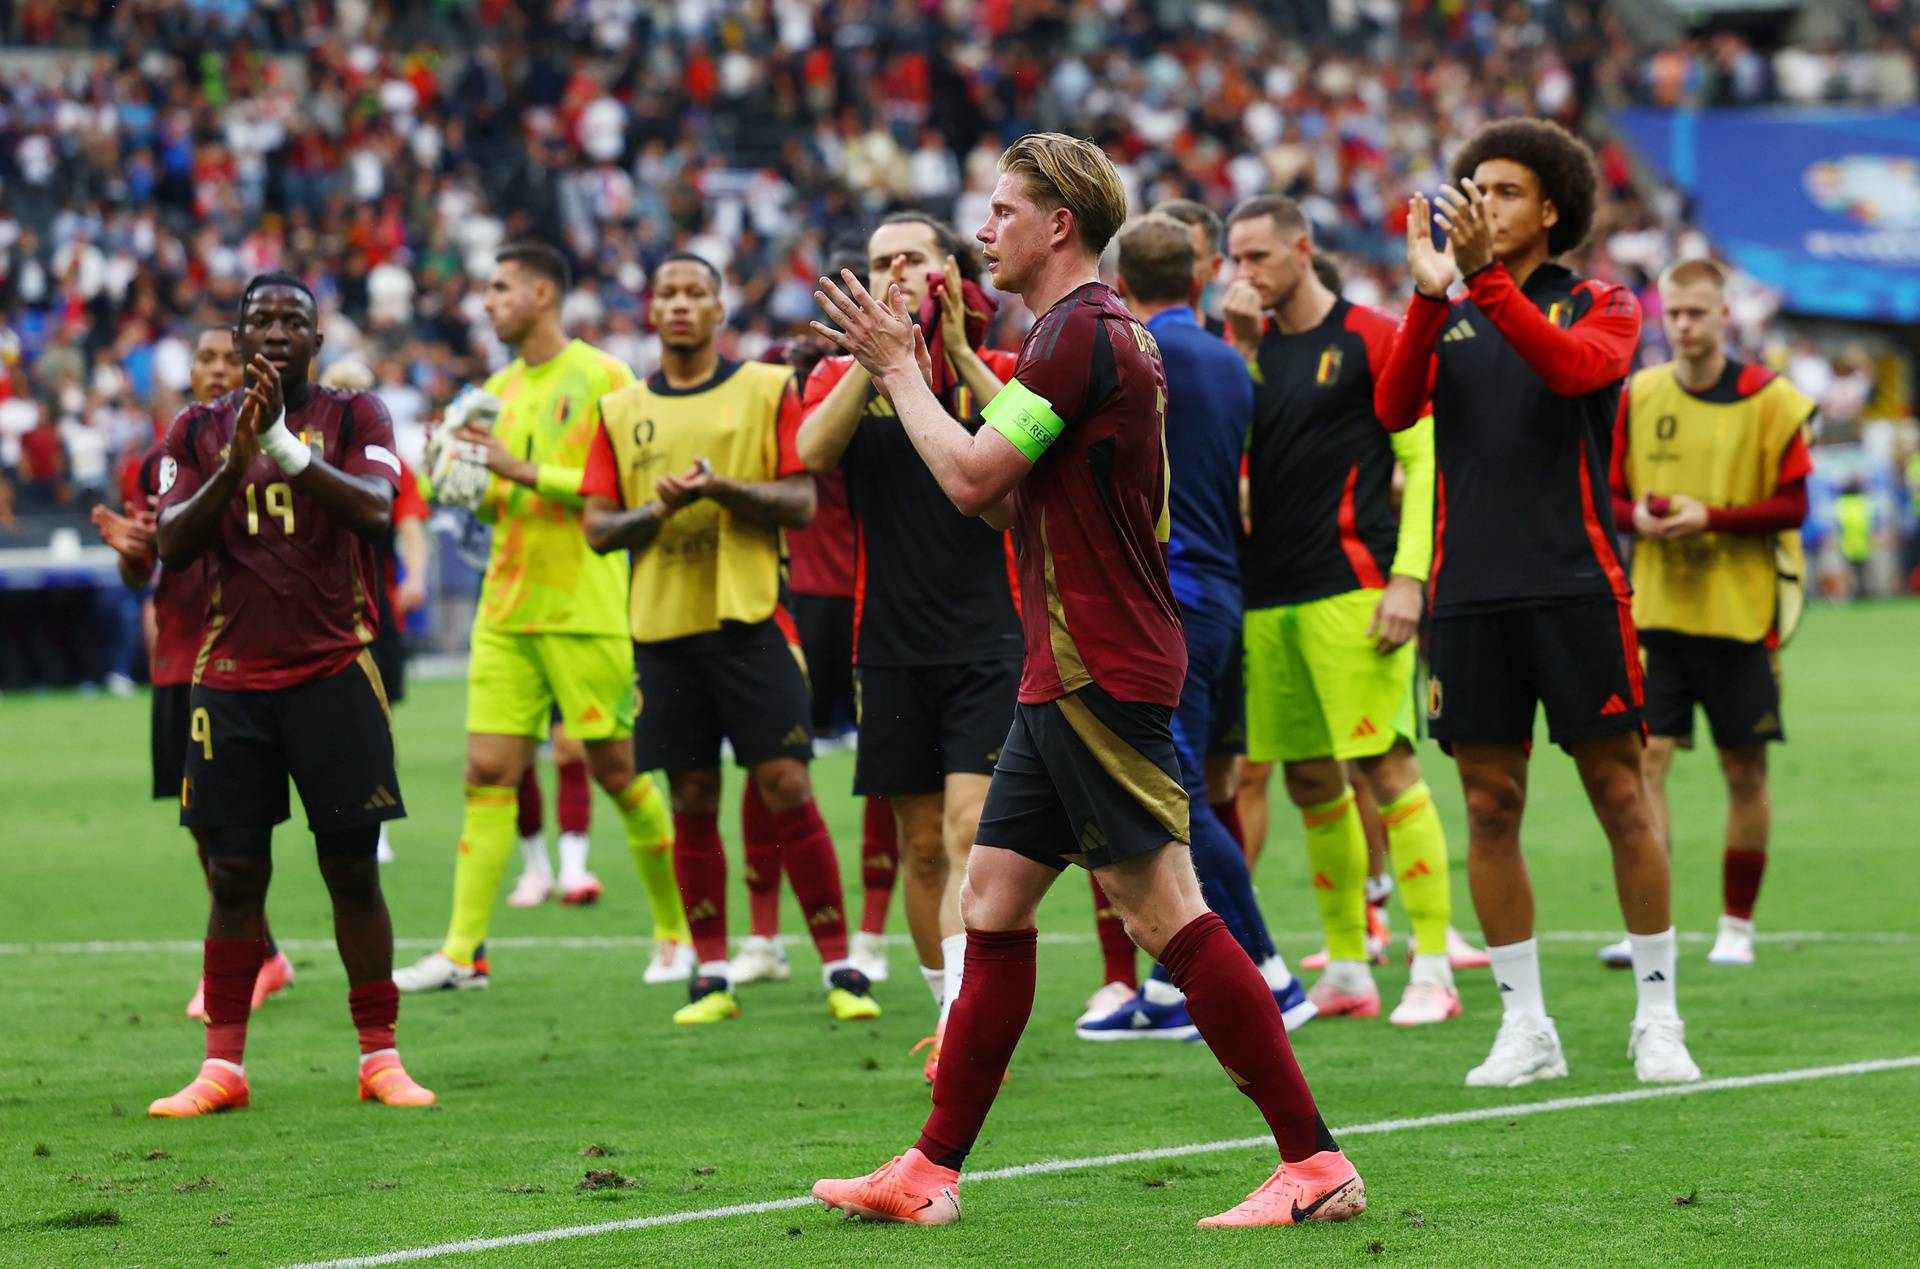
(1179, 315)
(657, 381)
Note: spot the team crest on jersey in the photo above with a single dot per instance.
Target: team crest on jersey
(169, 472)
(1434, 698)
(1328, 371)
(1560, 313)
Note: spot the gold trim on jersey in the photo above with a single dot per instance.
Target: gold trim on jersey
(215, 620)
(1132, 770)
(379, 686)
(1066, 654)
(360, 630)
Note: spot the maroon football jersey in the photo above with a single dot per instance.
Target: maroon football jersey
(1091, 518)
(179, 598)
(289, 591)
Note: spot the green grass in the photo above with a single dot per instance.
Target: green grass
(568, 1050)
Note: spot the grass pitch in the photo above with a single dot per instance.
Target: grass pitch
(569, 1065)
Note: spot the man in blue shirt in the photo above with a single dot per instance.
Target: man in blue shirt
(1209, 406)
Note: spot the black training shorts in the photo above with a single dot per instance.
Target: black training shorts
(334, 737)
(825, 626)
(1489, 670)
(921, 723)
(745, 683)
(1738, 684)
(172, 714)
(1086, 779)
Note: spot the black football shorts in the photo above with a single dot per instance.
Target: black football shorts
(1738, 684)
(172, 712)
(745, 683)
(921, 723)
(1489, 671)
(334, 737)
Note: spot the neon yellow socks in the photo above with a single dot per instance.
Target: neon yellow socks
(1337, 850)
(650, 838)
(486, 842)
(1418, 847)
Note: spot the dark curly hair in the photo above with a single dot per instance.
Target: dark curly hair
(1568, 176)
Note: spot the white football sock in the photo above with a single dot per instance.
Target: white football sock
(953, 950)
(830, 968)
(936, 984)
(573, 854)
(713, 969)
(1352, 977)
(1378, 888)
(534, 847)
(1274, 970)
(1159, 991)
(1516, 971)
(1434, 970)
(1654, 958)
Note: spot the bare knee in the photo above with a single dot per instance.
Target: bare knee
(1746, 773)
(1391, 774)
(238, 882)
(350, 879)
(1223, 777)
(1494, 807)
(925, 856)
(611, 762)
(783, 784)
(695, 792)
(1315, 783)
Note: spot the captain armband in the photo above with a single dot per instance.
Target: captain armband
(1025, 418)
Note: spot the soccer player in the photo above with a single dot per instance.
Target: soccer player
(934, 709)
(549, 629)
(1073, 454)
(1209, 405)
(179, 623)
(1710, 468)
(1333, 602)
(1529, 603)
(693, 471)
(282, 489)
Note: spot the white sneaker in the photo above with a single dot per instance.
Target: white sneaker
(1658, 1047)
(383, 849)
(672, 963)
(869, 955)
(1424, 1004)
(532, 890)
(1734, 944)
(759, 959)
(1617, 955)
(437, 973)
(1525, 1050)
(1105, 1001)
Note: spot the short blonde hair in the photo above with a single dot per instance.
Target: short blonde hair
(1695, 269)
(352, 375)
(1156, 259)
(1062, 171)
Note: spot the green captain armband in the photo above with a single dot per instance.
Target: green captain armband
(1024, 417)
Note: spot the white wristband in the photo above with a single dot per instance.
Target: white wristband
(284, 448)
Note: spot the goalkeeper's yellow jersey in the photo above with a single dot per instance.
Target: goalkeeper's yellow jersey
(541, 575)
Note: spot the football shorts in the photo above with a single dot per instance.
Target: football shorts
(514, 682)
(1318, 688)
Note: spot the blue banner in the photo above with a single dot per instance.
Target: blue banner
(1822, 204)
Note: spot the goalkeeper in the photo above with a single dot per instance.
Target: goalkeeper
(551, 627)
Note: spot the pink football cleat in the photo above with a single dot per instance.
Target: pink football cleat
(1323, 1188)
(276, 975)
(1335, 1002)
(910, 1189)
(220, 1086)
(578, 892)
(384, 1080)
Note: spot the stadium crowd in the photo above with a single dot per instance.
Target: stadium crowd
(387, 149)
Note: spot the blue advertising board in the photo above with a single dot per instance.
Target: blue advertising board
(1821, 204)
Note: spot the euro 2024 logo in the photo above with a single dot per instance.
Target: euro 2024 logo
(1880, 190)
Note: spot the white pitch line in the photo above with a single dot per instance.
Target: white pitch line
(622, 942)
(1141, 1156)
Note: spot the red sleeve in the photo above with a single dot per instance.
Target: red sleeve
(1001, 362)
(826, 375)
(1786, 509)
(178, 473)
(1405, 383)
(371, 452)
(1595, 351)
(407, 502)
(1617, 469)
(1797, 463)
(602, 477)
(788, 430)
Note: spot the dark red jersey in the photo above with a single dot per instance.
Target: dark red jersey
(1319, 467)
(179, 595)
(820, 556)
(289, 591)
(1091, 518)
(1525, 383)
(932, 587)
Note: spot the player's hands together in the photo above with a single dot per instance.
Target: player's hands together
(247, 426)
(1686, 517)
(500, 459)
(883, 338)
(1435, 269)
(273, 402)
(131, 534)
(1463, 214)
(1396, 618)
(676, 492)
(1245, 312)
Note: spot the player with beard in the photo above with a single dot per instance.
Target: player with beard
(693, 471)
(179, 622)
(933, 709)
(550, 629)
(282, 489)
(1073, 454)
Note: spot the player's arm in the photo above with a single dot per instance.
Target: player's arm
(830, 415)
(359, 496)
(975, 470)
(1785, 508)
(968, 364)
(786, 503)
(193, 502)
(1396, 618)
(549, 480)
(131, 537)
(608, 523)
(1403, 383)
